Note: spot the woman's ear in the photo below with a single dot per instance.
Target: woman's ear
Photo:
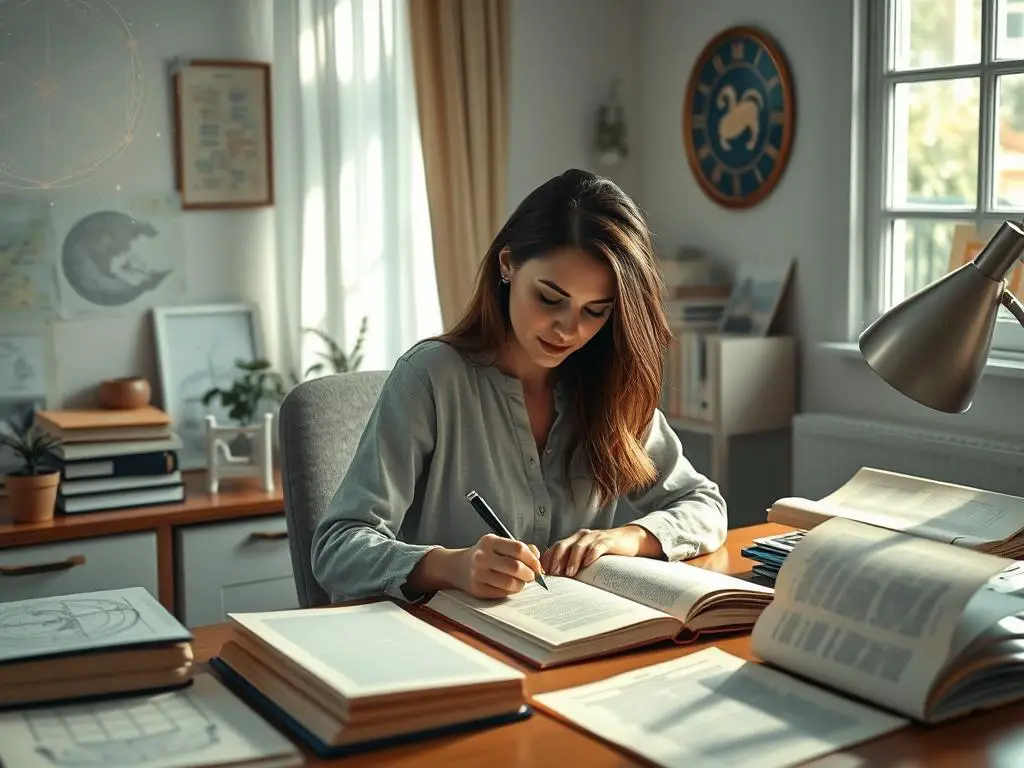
(504, 263)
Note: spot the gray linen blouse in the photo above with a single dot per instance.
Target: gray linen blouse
(444, 426)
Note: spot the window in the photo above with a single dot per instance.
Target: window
(945, 139)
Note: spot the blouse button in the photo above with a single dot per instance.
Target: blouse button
(540, 510)
(531, 460)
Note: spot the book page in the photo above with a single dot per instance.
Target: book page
(712, 708)
(674, 588)
(202, 725)
(374, 649)
(568, 611)
(870, 611)
(929, 509)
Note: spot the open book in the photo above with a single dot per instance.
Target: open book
(869, 629)
(614, 604)
(902, 622)
(953, 514)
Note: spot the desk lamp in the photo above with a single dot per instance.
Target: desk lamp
(932, 346)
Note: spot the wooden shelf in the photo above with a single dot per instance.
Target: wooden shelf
(238, 498)
(746, 385)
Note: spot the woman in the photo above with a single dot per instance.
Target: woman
(543, 399)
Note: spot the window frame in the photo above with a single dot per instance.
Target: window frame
(881, 270)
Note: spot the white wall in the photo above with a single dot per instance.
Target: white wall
(226, 256)
(808, 214)
(564, 56)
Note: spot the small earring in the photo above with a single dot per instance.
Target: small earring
(504, 279)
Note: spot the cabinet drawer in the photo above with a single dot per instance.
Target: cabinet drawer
(233, 567)
(84, 565)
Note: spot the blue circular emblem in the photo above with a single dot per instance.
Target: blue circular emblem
(738, 117)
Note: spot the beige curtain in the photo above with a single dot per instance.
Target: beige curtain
(461, 62)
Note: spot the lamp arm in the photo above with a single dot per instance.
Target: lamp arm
(1014, 306)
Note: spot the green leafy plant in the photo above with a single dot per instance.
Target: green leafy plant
(334, 358)
(30, 444)
(243, 398)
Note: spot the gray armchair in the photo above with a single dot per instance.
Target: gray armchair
(319, 426)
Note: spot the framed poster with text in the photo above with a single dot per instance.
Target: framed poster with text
(223, 140)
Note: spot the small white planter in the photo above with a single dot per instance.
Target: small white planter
(239, 452)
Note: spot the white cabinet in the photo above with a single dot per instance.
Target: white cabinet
(82, 565)
(233, 567)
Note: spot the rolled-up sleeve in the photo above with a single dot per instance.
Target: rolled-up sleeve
(356, 551)
(682, 508)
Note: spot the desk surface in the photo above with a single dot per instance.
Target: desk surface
(993, 739)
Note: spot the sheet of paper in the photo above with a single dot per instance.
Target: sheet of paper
(928, 508)
(202, 725)
(712, 708)
(568, 610)
(84, 621)
(375, 648)
(870, 611)
(670, 587)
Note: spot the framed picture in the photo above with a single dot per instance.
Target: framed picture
(755, 298)
(223, 137)
(197, 348)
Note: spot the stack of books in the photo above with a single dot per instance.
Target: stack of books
(90, 644)
(107, 678)
(349, 678)
(114, 459)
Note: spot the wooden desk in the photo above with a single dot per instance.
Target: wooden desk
(238, 499)
(994, 739)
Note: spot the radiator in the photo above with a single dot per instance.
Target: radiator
(829, 449)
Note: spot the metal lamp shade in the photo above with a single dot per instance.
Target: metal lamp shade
(932, 346)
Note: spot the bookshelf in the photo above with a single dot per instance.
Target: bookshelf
(725, 385)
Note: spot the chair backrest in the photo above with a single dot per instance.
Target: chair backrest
(319, 427)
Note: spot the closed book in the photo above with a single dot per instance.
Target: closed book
(153, 463)
(90, 425)
(98, 485)
(89, 644)
(349, 678)
(107, 449)
(97, 502)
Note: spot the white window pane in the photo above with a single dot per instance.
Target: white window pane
(935, 143)
(1008, 173)
(922, 252)
(1010, 29)
(936, 33)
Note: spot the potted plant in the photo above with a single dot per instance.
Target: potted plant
(334, 356)
(33, 488)
(246, 395)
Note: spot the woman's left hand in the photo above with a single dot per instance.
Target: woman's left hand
(568, 556)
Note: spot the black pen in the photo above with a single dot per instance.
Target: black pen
(484, 510)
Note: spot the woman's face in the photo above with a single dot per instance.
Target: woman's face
(558, 302)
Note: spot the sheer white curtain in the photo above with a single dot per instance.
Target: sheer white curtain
(353, 226)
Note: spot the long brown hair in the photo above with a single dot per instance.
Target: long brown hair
(615, 379)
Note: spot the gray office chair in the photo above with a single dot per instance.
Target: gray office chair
(319, 426)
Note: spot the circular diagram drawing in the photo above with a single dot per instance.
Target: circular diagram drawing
(72, 103)
(739, 117)
(104, 259)
(63, 621)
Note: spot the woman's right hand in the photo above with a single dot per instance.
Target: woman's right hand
(495, 567)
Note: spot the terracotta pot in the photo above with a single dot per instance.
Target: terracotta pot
(32, 497)
(125, 393)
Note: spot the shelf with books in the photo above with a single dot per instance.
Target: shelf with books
(724, 385)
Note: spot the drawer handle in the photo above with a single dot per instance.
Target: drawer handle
(28, 570)
(268, 535)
